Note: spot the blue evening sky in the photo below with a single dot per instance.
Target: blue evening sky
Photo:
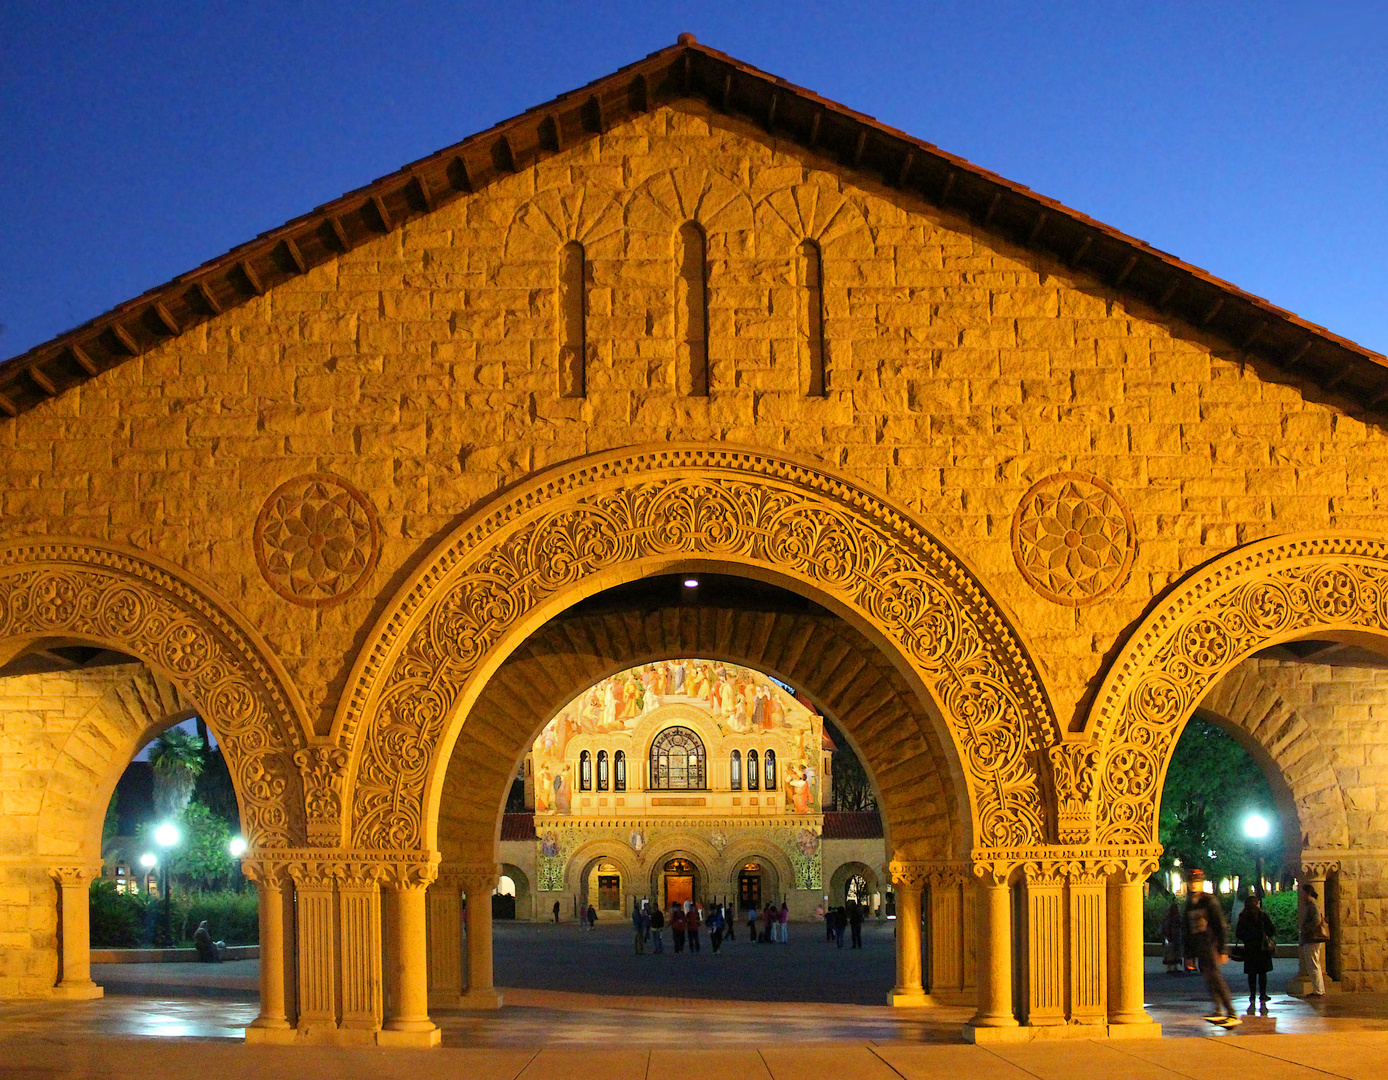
(140, 139)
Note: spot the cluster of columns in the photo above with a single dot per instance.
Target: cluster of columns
(1079, 962)
(458, 978)
(340, 982)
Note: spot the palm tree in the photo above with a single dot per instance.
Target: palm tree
(177, 760)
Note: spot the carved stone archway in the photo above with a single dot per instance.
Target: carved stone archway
(1260, 595)
(151, 610)
(579, 528)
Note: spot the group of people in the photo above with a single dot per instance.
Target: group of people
(687, 922)
(1201, 933)
(775, 924)
(847, 916)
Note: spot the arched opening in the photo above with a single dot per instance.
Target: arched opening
(910, 697)
(122, 649)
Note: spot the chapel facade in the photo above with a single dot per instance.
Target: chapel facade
(1009, 494)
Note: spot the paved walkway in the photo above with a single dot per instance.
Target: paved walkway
(676, 1016)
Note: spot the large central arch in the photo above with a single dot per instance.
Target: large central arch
(580, 528)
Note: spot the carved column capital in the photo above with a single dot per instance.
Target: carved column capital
(1073, 767)
(75, 877)
(268, 873)
(474, 878)
(414, 872)
(1318, 869)
(911, 874)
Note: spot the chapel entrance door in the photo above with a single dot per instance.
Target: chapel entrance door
(749, 887)
(609, 892)
(679, 881)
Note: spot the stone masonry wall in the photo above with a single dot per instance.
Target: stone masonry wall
(423, 368)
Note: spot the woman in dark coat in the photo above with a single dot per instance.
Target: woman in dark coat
(1257, 933)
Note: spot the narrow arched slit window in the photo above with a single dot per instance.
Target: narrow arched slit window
(619, 771)
(753, 781)
(768, 770)
(573, 319)
(735, 771)
(810, 271)
(602, 770)
(691, 311)
(585, 771)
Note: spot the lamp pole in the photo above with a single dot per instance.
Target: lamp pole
(166, 836)
(1256, 828)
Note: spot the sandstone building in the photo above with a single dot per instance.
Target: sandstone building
(1009, 495)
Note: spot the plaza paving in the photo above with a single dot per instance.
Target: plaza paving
(581, 1003)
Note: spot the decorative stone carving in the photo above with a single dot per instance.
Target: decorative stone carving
(323, 769)
(75, 877)
(317, 540)
(1268, 592)
(1073, 538)
(75, 589)
(661, 505)
(1072, 769)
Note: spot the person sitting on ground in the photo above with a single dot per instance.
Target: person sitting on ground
(208, 952)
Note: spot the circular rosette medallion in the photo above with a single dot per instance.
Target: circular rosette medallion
(1073, 538)
(317, 540)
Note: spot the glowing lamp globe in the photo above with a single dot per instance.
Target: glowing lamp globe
(1256, 827)
(166, 835)
(237, 847)
(147, 860)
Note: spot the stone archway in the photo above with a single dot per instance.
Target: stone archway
(1260, 595)
(81, 592)
(576, 529)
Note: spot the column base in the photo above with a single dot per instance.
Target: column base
(908, 999)
(489, 998)
(78, 991)
(272, 1036)
(1020, 1033)
(416, 1037)
(1300, 985)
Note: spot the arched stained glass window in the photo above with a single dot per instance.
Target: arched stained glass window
(619, 771)
(677, 761)
(753, 780)
(585, 771)
(735, 771)
(602, 770)
(768, 768)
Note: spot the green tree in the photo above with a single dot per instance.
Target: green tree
(215, 791)
(177, 758)
(851, 786)
(203, 861)
(1211, 787)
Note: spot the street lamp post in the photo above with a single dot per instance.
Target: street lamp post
(1256, 828)
(166, 836)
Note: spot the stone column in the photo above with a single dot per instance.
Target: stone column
(316, 935)
(478, 883)
(1088, 914)
(359, 926)
(907, 881)
(946, 914)
(408, 1023)
(445, 940)
(1126, 988)
(994, 953)
(1045, 906)
(1317, 873)
(269, 886)
(74, 886)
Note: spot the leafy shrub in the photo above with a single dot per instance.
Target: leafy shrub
(233, 917)
(1281, 906)
(118, 919)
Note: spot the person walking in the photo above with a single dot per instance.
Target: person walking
(828, 923)
(1258, 935)
(752, 925)
(729, 913)
(840, 925)
(768, 920)
(638, 928)
(716, 923)
(592, 917)
(1207, 936)
(1172, 953)
(677, 926)
(784, 920)
(658, 931)
(692, 922)
(855, 923)
(1312, 934)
